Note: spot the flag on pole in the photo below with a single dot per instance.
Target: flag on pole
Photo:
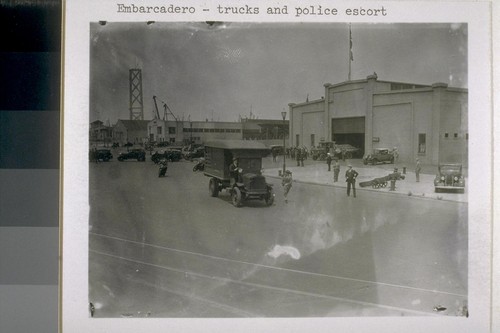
(350, 44)
(351, 57)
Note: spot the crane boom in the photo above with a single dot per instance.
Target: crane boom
(156, 108)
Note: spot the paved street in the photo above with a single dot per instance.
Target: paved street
(162, 247)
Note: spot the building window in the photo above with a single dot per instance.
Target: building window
(171, 130)
(446, 135)
(158, 130)
(455, 135)
(466, 136)
(297, 142)
(421, 143)
(312, 140)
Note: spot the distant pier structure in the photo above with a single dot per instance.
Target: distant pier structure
(135, 88)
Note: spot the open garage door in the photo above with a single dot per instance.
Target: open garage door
(350, 131)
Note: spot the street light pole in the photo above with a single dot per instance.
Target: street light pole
(283, 114)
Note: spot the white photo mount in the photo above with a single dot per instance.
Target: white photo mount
(82, 17)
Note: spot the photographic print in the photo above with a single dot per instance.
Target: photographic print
(278, 169)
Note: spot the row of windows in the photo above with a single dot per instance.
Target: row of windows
(171, 130)
(212, 130)
(455, 136)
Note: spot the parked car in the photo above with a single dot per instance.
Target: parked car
(196, 153)
(449, 178)
(379, 155)
(133, 154)
(172, 155)
(251, 184)
(104, 155)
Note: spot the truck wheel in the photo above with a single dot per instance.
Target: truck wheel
(269, 197)
(374, 161)
(236, 197)
(322, 157)
(315, 157)
(348, 155)
(213, 187)
(120, 159)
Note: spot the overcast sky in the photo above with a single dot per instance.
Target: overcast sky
(229, 71)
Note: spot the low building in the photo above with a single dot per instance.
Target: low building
(424, 121)
(133, 131)
(180, 132)
(100, 134)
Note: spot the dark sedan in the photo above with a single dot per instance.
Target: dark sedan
(171, 155)
(449, 178)
(133, 154)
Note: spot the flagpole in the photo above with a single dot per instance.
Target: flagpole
(350, 53)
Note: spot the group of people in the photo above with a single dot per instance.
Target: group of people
(350, 176)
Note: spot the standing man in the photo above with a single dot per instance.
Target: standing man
(329, 160)
(234, 170)
(297, 156)
(350, 178)
(336, 170)
(395, 154)
(417, 170)
(286, 182)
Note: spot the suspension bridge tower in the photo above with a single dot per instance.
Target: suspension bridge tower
(135, 90)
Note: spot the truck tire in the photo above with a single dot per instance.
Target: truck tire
(213, 187)
(236, 197)
(348, 155)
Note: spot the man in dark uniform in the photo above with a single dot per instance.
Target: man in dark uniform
(297, 156)
(350, 178)
(234, 170)
(329, 160)
(396, 175)
(303, 155)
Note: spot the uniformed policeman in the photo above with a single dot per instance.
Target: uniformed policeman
(287, 183)
(350, 178)
(234, 170)
(395, 176)
(329, 160)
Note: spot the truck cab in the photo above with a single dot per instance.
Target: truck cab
(250, 183)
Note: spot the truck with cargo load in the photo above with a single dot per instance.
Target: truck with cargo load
(250, 183)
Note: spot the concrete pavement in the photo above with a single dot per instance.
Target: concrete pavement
(316, 172)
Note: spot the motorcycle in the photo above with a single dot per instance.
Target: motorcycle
(162, 169)
(200, 166)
